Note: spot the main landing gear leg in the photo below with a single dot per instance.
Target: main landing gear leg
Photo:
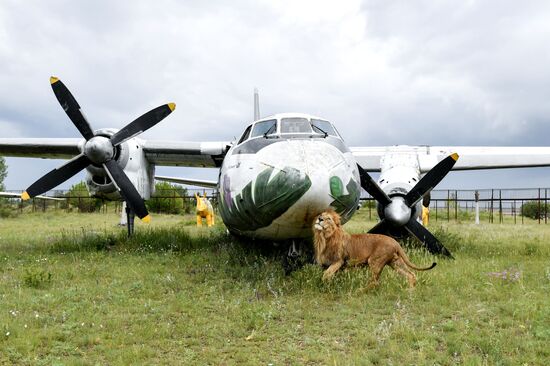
(293, 250)
(294, 257)
(130, 216)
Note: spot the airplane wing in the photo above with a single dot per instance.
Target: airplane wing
(185, 153)
(470, 157)
(47, 148)
(18, 195)
(165, 153)
(191, 182)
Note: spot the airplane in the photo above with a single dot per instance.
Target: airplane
(283, 170)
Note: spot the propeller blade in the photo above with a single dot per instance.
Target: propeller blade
(71, 107)
(56, 177)
(431, 179)
(385, 228)
(380, 228)
(142, 123)
(127, 190)
(431, 243)
(372, 188)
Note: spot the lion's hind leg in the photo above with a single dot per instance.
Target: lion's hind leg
(332, 269)
(376, 265)
(400, 267)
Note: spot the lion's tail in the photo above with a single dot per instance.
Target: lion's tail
(410, 264)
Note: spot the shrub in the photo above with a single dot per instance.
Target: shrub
(170, 199)
(78, 196)
(37, 278)
(368, 204)
(7, 211)
(534, 210)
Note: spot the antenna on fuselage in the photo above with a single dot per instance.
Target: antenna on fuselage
(256, 105)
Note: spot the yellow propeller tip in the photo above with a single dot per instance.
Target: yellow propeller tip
(25, 196)
(53, 79)
(454, 156)
(146, 219)
(172, 106)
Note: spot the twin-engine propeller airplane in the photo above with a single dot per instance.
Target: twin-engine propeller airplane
(282, 172)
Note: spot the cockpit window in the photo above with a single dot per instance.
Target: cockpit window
(245, 135)
(321, 126)
(264, 127)
(295, 125)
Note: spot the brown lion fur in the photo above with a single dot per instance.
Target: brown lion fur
(334, 248)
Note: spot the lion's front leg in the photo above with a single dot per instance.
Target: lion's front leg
(332, 269)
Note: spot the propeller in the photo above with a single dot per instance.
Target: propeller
(98, 150)
(397, 211)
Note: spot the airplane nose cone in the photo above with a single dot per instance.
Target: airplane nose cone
(397, 212)
(277, 192)
(333, 178)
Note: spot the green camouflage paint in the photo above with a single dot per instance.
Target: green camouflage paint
(259, 204)
(336, 186)
(346, 204)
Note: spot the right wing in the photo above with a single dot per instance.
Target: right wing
(470, 157)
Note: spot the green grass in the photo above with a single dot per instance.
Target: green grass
(73, 290)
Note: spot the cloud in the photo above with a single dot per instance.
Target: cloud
(386, 73)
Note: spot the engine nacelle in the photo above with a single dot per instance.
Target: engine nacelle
(131, 158)
(400, 173)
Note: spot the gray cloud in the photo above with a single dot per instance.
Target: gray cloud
(385, 72)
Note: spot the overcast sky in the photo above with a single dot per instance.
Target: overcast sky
(385, 72)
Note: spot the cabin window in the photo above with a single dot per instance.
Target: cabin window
(263, 127)
(295, 125)
(245, 135)
(321, 126)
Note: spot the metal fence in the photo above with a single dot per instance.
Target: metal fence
(495, 205)
(164, 201)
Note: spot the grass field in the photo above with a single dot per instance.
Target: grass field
(73, 290)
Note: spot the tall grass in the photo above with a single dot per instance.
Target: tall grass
(75, 290)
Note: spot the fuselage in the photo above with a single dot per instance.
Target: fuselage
(282, 172)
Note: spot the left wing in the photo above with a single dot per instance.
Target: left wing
(169, 153)
(470, 157)
(184, 153)
(46, 148)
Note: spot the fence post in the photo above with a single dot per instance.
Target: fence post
(500, 218)
(476, 196)
(522, 211)
(492, 204)
(448, 204)
(370, 210)
(539, 212)
(456, 205)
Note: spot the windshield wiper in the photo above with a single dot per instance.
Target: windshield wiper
(270, 131)
(321, 130)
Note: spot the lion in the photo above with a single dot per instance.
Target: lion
(334, 248)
